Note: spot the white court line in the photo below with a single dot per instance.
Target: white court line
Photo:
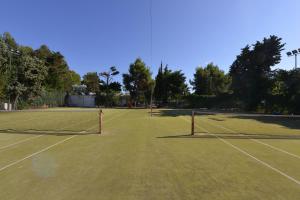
(49, 147)
(251, 156)
(257, 141)
(27, 139)
(34, 137)
(19, 142)
(31, 138)
(36, 153)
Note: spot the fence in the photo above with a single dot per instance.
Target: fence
(81, 101)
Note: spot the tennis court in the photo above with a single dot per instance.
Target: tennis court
(58, 154)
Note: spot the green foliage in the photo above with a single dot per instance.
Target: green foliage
(160, 89)
(9, 41)
(28, 75)
(138, 81)
(3, 55)
(169, 85)
(35, 72)
(176, 86)
(46, 98)
(114, 87)
(210, 80)
(3, 62)
(26, 80)
(60, 77)
(5, 40)
(57, 69)
(2, 86)
(108, 86)
(285, 93)
(92, 81)
(71, 78)
(251, 71)
(221, 101)
(25, 73)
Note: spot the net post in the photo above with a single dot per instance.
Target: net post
(193, 123)
(100, 121)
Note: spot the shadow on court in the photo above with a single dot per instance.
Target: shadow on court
(233, 136)
(172, 112)
(289, 121)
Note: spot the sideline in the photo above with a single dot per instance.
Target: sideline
(249, 155)
(255, 140)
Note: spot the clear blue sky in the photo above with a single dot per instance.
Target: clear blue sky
(96, 34)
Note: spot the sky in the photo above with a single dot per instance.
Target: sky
(96, 34)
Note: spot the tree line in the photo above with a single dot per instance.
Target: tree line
(27, 74)
(251, 83)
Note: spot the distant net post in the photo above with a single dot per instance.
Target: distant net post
(100, 121)
(193, 123)
(151, 100)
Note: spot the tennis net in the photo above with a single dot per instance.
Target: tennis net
(52, 121)
(238, 125)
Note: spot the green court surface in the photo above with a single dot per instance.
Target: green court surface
(57, 154)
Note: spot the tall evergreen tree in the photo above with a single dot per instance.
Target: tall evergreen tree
(170, 85)
(159, 84)
(251, 71)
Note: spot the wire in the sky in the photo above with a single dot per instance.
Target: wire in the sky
(151, 33)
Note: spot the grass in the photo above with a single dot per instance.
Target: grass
(139, 157)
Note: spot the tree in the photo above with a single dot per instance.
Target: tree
(26, 73)
(251, 71)
(210, 80)
(27, 79)
(9, 41)
(293, 91)
(10, 63)
(71, 78)
(169, 85)
(108, 86)
(285, 91)
(92, 81)
(3, 62)
(57, 71)
(44, 53)
(137, 81)
(161, 91)
(159, 84)
(108, 75)
(60, 77)
(35, 72)
(74, 77)
(7, 62)
(2, 86)
(176, 85)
